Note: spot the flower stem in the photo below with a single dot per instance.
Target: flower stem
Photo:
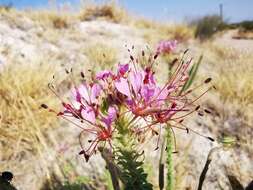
(170, 180)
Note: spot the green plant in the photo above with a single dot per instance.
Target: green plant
(129, 161)
(207, 26)
(169, 160)
(170, 133)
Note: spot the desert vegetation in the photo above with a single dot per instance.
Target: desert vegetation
(45, 54)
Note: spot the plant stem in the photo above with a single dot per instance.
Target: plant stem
(169, 160)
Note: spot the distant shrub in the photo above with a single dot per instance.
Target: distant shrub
(246, 25)
(207, 26)
(109, 11)
(59, 22)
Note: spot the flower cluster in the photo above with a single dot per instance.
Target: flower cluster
(166, 46)
(133, 92)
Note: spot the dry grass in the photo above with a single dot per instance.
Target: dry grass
(234, 73)
(43, 18)
(153, 31)
(23, 88)
(108, 11)
(51, 19)
(101, 55)
(233, 99)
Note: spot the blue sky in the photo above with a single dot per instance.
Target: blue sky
(175, 10)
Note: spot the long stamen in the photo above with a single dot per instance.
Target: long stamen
(190, 129)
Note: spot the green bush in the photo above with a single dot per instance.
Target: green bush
(246, 25)
(207, 26)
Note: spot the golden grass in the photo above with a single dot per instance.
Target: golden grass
(154, 32)
(23, 88)
(51, 19)
(234, 73)
(101, 55)
(110, 11)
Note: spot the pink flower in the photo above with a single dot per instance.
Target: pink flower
(166, 46)
(103, 75)
(85, 106)
(122, 69)
(98, 104)
(143, 95)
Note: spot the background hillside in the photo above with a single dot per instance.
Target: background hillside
(42, 151)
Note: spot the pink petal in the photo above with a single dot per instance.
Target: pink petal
(83, 90)
(88, 114)
(123, 87)
(136, 81)
(122, 69)
(76, 95)
(147, 93)
(95, 92)
(112, 114)
(104, 75)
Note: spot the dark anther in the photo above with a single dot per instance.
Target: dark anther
(66, 71)
(143, 53)
(174, 152)
(207, 111)
(82, 74)
(189, 91)
(200, 114)
(174, 61)
(44, 106)
(197, 108)
(166, 148)
(89, 141)
(214, 88)
(157, 148)
(208, 80)
(187, 130)
(87, 157)
(131, 57)
(133, 47)
(211, 139)
(186, 51)
(155, 56)
(81, 152)
(181, 121)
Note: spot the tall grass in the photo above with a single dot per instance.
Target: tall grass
(23, 88)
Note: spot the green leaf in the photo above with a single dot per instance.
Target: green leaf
(104, 107)
(192, 74)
